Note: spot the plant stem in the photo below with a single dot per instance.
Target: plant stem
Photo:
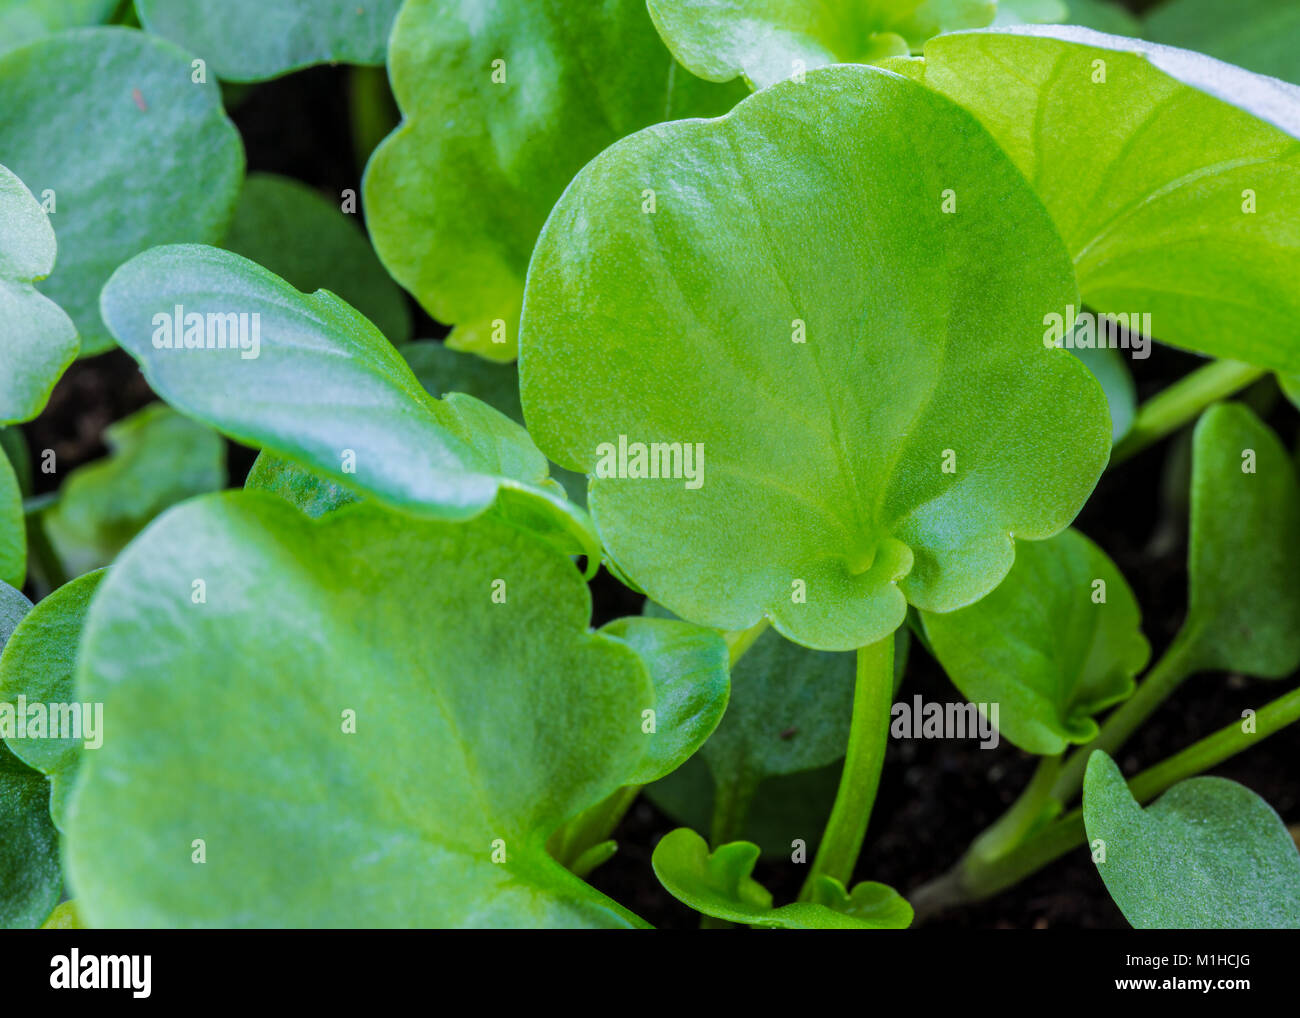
(868, 735)
(731, 803)
(1024, 815)
(975, 878)
(1181, 403)
(1178, 662)
(740, 640)
(49, 567)
(589, 828)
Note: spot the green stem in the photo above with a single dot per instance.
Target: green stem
(1025, 814)
(1181, 403)
(975, 878)
(868, 736)
(572, 844)
(1211, 751)
(740, 640)
(731, 803)
(1178, 662)
(49, 566)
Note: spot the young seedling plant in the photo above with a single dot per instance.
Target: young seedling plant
(809, 327)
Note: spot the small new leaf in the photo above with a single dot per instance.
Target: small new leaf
(1208, 854)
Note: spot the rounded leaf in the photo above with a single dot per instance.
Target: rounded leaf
(310, 379)
(1243, 555)
(503, 104)
(402, 772)
(1208, 854)
(1183, 209)
(1057, 642)
(251, 40)
(39, 663)
(37, 340)
(137, 155)
(782, 379)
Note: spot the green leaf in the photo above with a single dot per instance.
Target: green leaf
(1104, 16)
(1243, 559)
(476, 721)
(1208, 854)
(38, 663)
(719, 884)
(144, 157)
(30, 878)
(770, 40)
(13, 444)
(1259, 35)
(689, 668)
(13, 609)
(315, 382)
(13, 527)
(1151, 176)
(1112, 374)
(21, 21)
(309, 491)
(251, 40)
(305, 239)
(1028, 12)
(829, 363)
(63, 918)
(1057, 642)
(456, 196)
(442, 370)
(156, 459)
(37, 340)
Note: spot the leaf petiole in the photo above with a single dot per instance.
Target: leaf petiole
(974, 879)
(1180, 404)
(868, 735)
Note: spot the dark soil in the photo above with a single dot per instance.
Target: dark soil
(935, 796)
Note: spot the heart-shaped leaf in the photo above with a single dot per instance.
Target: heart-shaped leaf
(21, 21)
(156, 459)
(251, 40)
(38, 663)
(503, 104)
(1058, 641)
(13, 527)
(30, 878)
(1243, 559)
(144, 157)
(1208, 854)
(867, 445)
(37, 340)
(412, 768)
(719, 884)
(1182, 209)
(306, 240)
(1259, 35)
(310, 379)
(764, 42)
